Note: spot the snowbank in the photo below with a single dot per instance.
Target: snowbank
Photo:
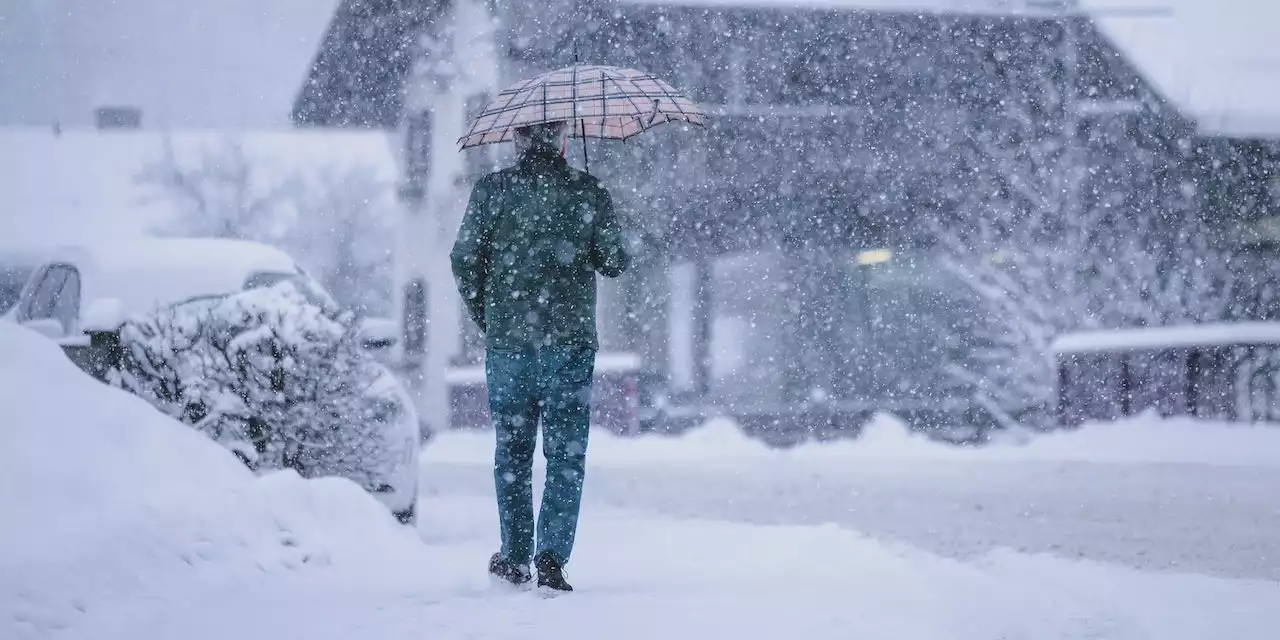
(104, 499)
(121, 524)
(642, 577)
(1143, 439)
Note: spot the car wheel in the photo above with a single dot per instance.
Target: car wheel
(408, 516)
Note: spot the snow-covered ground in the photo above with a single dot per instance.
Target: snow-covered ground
(119, 523)
(1175, 495)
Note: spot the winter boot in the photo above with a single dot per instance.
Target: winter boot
(551, 573)
(509, 572)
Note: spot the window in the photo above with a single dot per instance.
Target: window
(417, 151)
(309, 288)
(905, 316)
(264, 279)
(28, 294)
(66, 305)
(45, 296)
(56, 295)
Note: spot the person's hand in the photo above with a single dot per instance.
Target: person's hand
(634, 240)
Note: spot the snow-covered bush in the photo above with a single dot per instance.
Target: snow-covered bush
(275, 378)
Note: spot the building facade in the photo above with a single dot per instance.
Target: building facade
(788, 261)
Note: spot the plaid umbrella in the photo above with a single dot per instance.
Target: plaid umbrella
(598, 101)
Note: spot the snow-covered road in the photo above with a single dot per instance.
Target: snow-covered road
(1152, 495)
(647, 577)
(1222, 521)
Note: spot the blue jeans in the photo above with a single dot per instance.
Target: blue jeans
(551, 385)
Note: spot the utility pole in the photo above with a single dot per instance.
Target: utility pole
(457, 66)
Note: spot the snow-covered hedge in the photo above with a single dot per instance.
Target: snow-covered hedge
(277, 379)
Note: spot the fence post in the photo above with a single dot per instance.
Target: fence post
(1126, 384)
(1192, 382)
(1063, 380)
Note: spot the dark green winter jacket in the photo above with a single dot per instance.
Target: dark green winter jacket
(525, 260)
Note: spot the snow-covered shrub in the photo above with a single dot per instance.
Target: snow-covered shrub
(275, 378)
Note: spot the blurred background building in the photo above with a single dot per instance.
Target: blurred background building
(799, 255)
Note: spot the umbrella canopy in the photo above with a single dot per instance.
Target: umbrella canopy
(598, 101)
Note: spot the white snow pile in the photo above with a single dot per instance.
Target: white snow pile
(106, 500)
(121, 523)
(1142, 439)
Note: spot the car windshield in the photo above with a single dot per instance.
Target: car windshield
(305, 285)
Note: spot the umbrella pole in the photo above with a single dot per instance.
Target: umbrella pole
(586, 162)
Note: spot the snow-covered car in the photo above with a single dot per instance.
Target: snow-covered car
(80, 289)
(16, 266)
(81, 295)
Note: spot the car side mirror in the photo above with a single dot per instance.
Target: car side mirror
(47, 327)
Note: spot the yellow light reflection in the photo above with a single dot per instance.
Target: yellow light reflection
(874, 256)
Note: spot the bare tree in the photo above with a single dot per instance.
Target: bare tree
(221, 193)
(335, 219)
(344, 234)
(1072, 231)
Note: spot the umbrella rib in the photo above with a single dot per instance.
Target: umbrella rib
(499, 110)
(505, 109)
(504, 113)
(573, 79)
(546, 88)
(631, 100)
(675, 100)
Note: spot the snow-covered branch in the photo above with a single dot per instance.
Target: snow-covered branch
(1063, 233)
(337, 220)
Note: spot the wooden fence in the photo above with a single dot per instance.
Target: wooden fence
(1226, 371)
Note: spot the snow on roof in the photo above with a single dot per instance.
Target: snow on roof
(235, 256)
(1216, 61)
(84, 184)
(1221, 334)
(143, 273)
(1003, 7)
(186, 64)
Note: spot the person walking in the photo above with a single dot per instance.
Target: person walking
(525, 260)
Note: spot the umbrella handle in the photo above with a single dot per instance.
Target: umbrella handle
(586, 162)
(654, 114)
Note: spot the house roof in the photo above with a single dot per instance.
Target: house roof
(1216, 61)
(362, 62)
(1213, 61)
(994, 7)
(230, 63)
